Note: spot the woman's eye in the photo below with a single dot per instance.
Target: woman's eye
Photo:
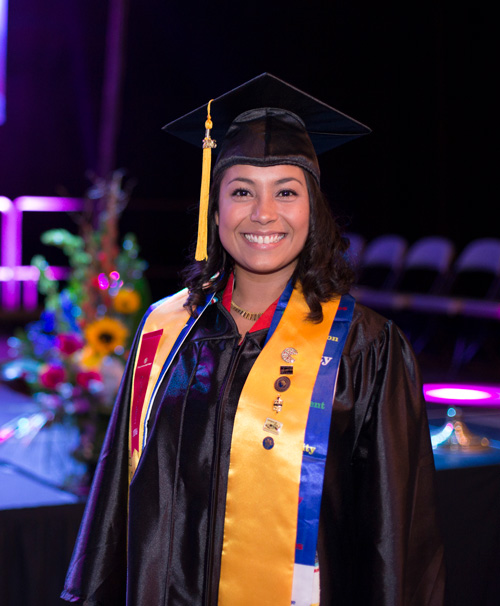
(287, 193)
(240, 192)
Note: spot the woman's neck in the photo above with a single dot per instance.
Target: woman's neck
(255, 292)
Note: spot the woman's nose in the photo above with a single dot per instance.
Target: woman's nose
(264, 210)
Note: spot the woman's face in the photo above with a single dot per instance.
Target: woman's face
(263, 216)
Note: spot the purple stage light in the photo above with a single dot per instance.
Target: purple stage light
(7, 216)
(13, 273)
(48, 204)
(103, 281)
(6, 212)
(3, 58)
(5, 204)
(21, 273)
(463, 394)
(8, 252)
(57, 273)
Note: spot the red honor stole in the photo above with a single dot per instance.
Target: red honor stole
(159, 333)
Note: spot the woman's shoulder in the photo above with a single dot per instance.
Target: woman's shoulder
(174, 301)
(368, 329)
(163, 309)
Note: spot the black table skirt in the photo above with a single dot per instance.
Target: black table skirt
(35, 548)
(469, 510)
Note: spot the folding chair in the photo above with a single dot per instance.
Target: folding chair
(382, 261)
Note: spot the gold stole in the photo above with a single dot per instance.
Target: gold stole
(260, 526)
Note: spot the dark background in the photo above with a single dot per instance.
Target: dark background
(421, 75)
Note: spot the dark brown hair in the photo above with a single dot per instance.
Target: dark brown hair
(322, 269)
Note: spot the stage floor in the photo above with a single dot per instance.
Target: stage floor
(32, 470)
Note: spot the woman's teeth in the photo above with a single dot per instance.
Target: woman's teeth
(264, 239)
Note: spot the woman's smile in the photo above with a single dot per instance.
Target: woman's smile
(263, 239)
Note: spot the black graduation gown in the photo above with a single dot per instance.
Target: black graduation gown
(378, 542)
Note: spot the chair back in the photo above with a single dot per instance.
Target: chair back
(382, 261)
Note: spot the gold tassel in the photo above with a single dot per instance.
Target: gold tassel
(208, 145)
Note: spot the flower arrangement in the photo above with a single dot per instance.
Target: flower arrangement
(72, 359)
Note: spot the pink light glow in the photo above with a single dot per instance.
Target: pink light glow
(3, 58)
(8, 251)
(29, 275)
(23, 273)
(6, 433)
(471, 395)
(20, 273)
(103, 281)
(5, 204)
(48, 204)
(11, 243)
(54, 272)
(7, 212)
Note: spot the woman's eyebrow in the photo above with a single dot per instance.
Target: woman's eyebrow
(242, 179)
(288, 179)
(278, 182)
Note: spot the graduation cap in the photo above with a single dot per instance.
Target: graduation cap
(263, 122)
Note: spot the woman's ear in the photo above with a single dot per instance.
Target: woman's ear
(217, 218)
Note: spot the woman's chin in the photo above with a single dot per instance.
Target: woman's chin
(268, 269)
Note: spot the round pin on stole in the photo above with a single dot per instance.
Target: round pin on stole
(268, 443)
(288, 354)
(282, 384)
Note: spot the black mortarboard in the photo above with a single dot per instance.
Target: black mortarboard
(263, 122)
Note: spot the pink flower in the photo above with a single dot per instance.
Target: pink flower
(68, 343)
(51, 376)
(84, 377)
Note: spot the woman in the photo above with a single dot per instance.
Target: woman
(277, 438)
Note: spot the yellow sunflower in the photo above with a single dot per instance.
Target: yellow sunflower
(127, 301)
(89, 358)
(105, 335)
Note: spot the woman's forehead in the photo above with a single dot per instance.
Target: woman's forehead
(274, 173)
